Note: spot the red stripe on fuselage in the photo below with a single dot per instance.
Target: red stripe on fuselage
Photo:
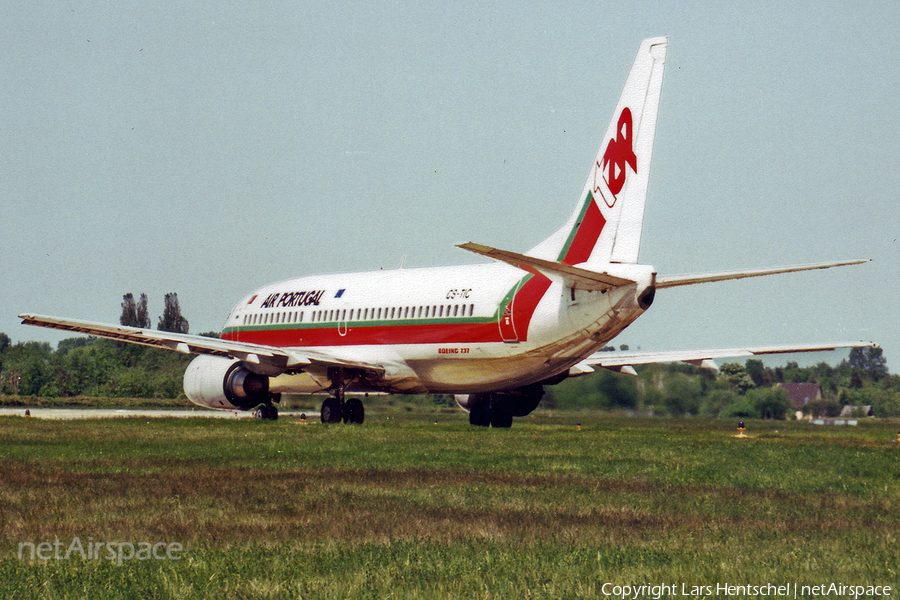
(532, 291)
(526, 301)
(586, 236)
(361, 334)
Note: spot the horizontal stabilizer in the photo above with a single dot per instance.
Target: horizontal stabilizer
(573, 277)
(676, 280)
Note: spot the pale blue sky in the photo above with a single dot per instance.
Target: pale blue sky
(213, 147)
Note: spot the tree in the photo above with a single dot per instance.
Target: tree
(29, 369)
(735, 374)
(771, 403)
(171, 319)
(4, 344)
(758, 372)
(869, 361)
(143, 318)
(134, 314)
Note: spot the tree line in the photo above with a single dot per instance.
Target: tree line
(749, 390)
(94, 367)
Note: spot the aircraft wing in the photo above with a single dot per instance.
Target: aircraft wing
(677, 280)
(270, 360)
(623, 361)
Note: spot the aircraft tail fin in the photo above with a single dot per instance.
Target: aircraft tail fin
(606, 225)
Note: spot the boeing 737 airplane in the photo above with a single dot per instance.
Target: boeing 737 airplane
(493, 334)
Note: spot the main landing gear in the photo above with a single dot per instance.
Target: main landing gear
(497, 409)
(335, 410)
(268, 411)
(493, 410)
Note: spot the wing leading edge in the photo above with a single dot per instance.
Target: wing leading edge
(266, 360)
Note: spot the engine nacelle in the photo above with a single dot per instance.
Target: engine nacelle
(465, 401)
(224, 383)
(520, 402)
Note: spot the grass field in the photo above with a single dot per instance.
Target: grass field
(421, 505)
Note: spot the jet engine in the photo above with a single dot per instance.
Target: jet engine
(224, 383)
(498, 408)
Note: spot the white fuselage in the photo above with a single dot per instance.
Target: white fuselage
(461, 329)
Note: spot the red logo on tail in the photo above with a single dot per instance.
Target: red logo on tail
(619, 153)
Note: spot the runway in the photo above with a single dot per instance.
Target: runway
(68, 414)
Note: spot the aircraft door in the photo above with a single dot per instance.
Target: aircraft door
(506, 320)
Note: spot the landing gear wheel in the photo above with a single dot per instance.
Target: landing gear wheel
(501, 412)
(491, 410)
(331, 411)
(266, 412)
(354, 411)
(480, 411)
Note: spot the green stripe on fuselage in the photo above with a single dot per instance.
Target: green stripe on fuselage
(568, 244)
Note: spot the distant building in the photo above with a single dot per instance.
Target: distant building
(801, 393)
(850, 410)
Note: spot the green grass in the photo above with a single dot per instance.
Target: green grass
(406, 507)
